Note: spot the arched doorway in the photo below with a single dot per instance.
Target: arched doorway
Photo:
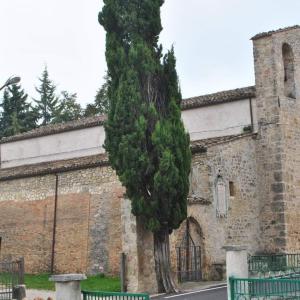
(189, 252)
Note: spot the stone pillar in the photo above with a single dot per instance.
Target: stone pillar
(137, 244)
(67, 286)
(19, 292)
(236, 264)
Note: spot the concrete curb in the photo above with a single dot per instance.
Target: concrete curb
(205, 287)
(199, 288)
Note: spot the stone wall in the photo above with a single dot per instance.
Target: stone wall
(94, 224)
(245, 188)
(277, 148)
(137, 244)
(235, 161)
(88, 231)
(291, 119)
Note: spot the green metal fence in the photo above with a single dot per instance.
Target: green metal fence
(273, 263)
(263, 289)
(113, 296)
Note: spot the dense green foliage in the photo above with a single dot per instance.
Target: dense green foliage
(68, 108)
(92, 283)
(101, 103)
(17, 115)
(145, 137)
(47, 105)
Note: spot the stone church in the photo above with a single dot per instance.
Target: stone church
(62, 206)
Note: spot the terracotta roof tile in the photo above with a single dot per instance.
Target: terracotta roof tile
(202, 145)
(51, 167)
(269, 33)
(219, 97)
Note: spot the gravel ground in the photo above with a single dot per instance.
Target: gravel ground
(31, 294)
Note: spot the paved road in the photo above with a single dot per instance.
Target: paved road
(215, 293)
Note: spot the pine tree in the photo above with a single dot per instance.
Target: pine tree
(68, 108)
(90, 110)
(17, 114)
(47, 105)
(101, 103)
(145, 136)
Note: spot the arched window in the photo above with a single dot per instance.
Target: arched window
(288, 64)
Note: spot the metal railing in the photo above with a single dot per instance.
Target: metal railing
(113, 296)
(11, 274)
(254, 289)
(188, 263)
(273, 263)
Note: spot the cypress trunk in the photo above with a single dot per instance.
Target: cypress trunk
(164, 278)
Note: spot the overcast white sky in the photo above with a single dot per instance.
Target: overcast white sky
(211, 39)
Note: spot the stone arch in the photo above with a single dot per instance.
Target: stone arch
(195, 231)
(289, 70)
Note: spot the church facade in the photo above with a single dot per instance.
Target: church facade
(63, 208)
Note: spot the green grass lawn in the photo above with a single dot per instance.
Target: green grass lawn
(93, 283)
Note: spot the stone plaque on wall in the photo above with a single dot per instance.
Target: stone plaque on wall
(221, 198)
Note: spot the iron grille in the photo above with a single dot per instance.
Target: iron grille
(11, 274)
(274, 265)
(188, 258)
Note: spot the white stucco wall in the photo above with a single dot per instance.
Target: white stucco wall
(204, 122)
(218, 120)
(70, 144)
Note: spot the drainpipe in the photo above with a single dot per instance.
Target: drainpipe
(54, 225)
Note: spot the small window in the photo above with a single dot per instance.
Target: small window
(231, 189)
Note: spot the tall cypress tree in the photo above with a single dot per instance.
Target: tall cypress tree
(17, 114)
(145, 137)
(47, 105)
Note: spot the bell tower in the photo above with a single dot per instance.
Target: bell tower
(277, 79)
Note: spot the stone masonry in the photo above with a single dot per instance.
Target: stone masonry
(244, 182)
(88, 226)
(277, 147)
(234, 160)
